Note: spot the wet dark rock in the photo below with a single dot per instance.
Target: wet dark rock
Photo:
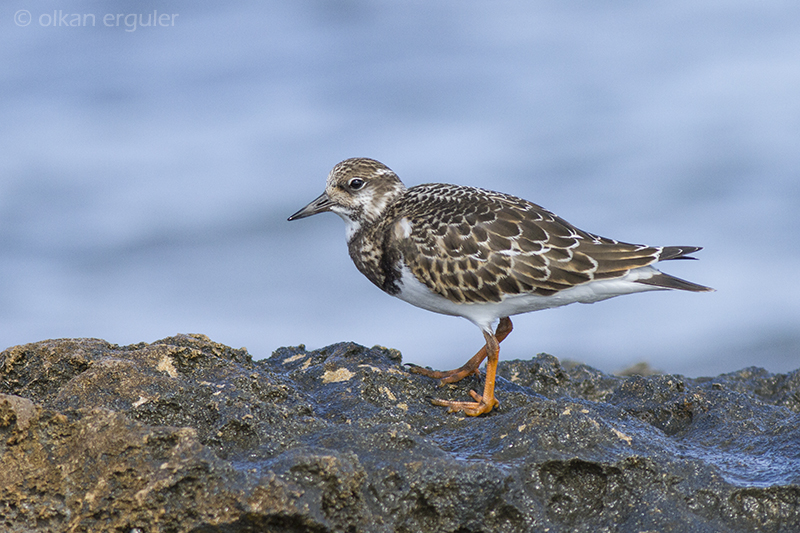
(185, 434)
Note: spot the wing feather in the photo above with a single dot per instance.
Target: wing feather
(473, 245)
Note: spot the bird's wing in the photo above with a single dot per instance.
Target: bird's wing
(472, 245)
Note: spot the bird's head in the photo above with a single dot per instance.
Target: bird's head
(359, 190)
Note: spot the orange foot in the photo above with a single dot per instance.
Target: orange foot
(470, 367)
(485, 402)
(479, 407)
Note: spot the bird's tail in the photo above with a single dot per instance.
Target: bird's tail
(671, 282)
(666, 281)
(678, 252)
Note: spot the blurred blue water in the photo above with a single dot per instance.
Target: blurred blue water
(147, 174)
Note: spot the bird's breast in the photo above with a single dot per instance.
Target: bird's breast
(377, 260)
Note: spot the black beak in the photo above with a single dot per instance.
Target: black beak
(321, 204)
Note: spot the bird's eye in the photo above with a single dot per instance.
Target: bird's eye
(356, 183)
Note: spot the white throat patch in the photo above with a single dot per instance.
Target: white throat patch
(351, 226)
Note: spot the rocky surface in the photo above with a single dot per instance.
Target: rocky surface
(185, 434)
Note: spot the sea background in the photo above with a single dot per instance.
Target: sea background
(146, 173)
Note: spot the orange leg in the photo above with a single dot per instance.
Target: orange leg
(485, 402)
(471, 366)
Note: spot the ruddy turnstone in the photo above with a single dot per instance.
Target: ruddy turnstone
(481, 255)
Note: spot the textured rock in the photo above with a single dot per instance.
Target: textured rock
(188, 435)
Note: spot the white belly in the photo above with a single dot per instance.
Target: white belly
(484, 314)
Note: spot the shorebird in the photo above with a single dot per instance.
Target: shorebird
(481, 255)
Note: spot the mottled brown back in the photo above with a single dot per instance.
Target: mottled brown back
(473, 245)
